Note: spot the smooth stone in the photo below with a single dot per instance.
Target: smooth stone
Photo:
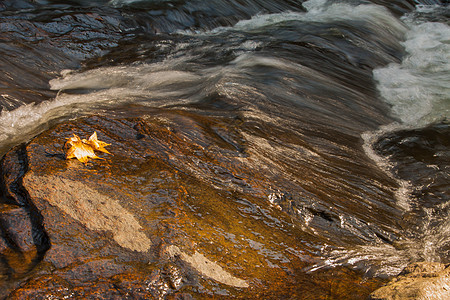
(421, 280)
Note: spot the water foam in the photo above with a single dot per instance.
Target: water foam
(403, 193)
(320, 11)
(388, 260)
(25, 121)
(376, 260)
(120, 3)
(418, 87)
(96, 90)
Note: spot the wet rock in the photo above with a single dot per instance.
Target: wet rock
(99, 212)
(16, 241)
(208, 268)
(176, 211)
(22, 240)
(38, 43)
(420, 157)
(16, 4)
(13, 168)
(15, 224)
(423, 280)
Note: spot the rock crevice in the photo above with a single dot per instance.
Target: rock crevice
(23, 240)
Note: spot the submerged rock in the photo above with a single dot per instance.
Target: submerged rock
(423, 280)
(176, 210)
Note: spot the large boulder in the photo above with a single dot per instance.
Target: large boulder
(179, 209)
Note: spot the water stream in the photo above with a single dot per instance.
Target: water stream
(337, 98)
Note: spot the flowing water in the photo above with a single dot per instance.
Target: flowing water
(346, 103)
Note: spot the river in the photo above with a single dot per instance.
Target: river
(345, 103)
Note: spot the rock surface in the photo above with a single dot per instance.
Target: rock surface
(189, 204)
(172, 212)
(424, 280)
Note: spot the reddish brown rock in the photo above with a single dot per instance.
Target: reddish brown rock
(180, 209)
(423, 280)
(16, 225)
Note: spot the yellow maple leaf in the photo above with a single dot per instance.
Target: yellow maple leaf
(84, 149)
(96, 144)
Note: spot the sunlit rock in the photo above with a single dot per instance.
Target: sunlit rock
(177, 210)
(424, 280)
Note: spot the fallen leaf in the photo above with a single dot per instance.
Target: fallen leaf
(84, 149)
(96, 144)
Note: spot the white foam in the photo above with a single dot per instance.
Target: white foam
(320, 11)
(387, 260)
(403, 193)
(314, 5)
(418, 88)
(120, 3)
(155, 85)
(378, 260)
(27, 120)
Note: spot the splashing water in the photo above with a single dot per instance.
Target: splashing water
(417, 89)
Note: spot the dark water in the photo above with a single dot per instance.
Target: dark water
(344, 102)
